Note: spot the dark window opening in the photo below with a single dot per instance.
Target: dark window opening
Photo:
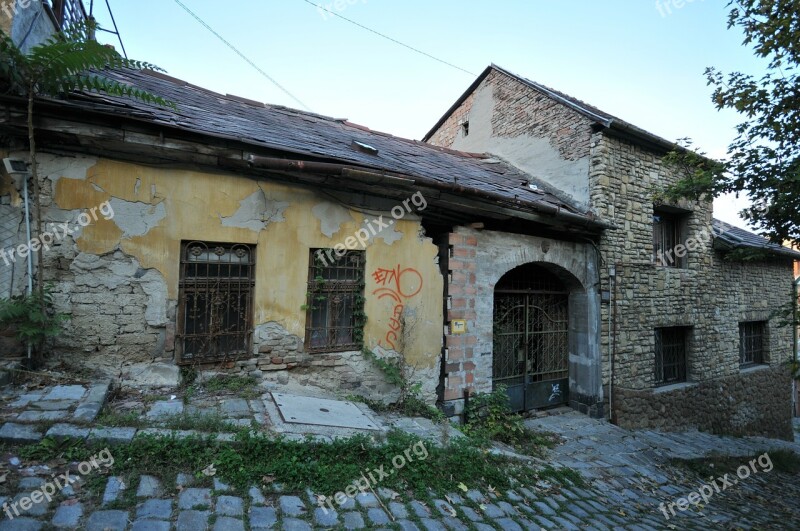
(335, 301)
(669, 239)
(751, 343)
(671, 347)
(465, 128)
(215, 302)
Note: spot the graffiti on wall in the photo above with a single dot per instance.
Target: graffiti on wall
(399, 285)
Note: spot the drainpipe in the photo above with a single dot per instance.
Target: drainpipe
(30, 255)
(612, 301)
(18, 171)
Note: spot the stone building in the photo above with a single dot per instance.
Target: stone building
(680, 335)
(518, 245)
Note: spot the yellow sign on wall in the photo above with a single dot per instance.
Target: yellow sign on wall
(458, 326)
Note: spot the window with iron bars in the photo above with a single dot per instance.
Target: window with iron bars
(752, 337)
(215, 302)
(671, 347)
(335, 301)
(668, 234)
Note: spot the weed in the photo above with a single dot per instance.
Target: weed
(410, 404)
(324, 468)
(784, 461)
(244, 386)
(49, 448)
(207, 422)
(115, 419)
(717, 466)
(489, 418)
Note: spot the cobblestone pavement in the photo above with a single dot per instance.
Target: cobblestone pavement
(628, 475)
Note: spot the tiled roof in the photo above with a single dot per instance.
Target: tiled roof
(322, 138)
(736, 238)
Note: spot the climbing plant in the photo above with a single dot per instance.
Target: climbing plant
(70, 60)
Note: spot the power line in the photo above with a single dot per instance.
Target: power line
(240, 54)
(389, 38)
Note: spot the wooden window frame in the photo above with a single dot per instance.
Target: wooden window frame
(672, 341)
(669, 232)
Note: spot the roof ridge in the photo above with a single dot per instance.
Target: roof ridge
(571, 101)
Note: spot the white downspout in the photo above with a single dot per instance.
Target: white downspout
(30, 255)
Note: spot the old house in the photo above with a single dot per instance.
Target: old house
(517, 245)
(679, 335)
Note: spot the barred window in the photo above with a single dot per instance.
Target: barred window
(671, 347)
(751, 343)
(668, 235)
(215, 302)
(335, 301)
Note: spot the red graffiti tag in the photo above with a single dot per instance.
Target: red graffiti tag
(399, 285)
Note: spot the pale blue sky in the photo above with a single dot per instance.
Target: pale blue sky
(629, 58)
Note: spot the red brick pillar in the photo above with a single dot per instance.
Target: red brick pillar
(461, 290)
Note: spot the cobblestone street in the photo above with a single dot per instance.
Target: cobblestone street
(628, 475)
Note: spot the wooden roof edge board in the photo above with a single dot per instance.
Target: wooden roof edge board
(580, 220)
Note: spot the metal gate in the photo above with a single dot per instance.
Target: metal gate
(215, 303)
(531, 338)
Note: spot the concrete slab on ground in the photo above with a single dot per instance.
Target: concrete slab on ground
(318, 432)
(296, 409)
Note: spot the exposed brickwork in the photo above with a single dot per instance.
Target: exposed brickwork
(460, 369)
(522, 110)
(446, 135)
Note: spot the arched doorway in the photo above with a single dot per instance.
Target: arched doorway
(531, 337)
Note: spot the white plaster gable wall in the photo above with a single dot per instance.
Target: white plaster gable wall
(534, 155)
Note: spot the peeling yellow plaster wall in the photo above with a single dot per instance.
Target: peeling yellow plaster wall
(195, 202)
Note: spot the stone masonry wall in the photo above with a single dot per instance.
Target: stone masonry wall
(743, 404)
(710, 295)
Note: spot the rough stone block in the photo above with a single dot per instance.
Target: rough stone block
(107, 521)
(192, 521)
(19, 433)
(165, 408)
(155, 509)
(262, 517)
(67, 431)
(149, 487)
(67, 516)
(66, 392)
(112, 435)
(195, 498)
